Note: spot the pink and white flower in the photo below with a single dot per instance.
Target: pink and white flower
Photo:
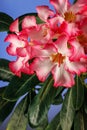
(52, 47)
(70, 12)
(55, 59)
(20, 49)
(19, 46)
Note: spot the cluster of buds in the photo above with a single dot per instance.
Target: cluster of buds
(58, 46)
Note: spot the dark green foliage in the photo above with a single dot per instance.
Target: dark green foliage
(5, 73)
(20, 86)
(5, 21)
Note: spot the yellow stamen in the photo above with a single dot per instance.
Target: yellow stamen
(70, 16)
(57, 58)
(31, 43)
(45, 32)
(82, 39)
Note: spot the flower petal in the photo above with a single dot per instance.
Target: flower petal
(76, 67)
(78, 50)
(79, 6)
(41, 34)
(60, 5)
(53, 22)
(69, 28)
(21, 52)
(15, 67)
(42, 67)
(62, 77)
(62, 45)
(44, 12)
(28, 22)
(19, 66)
(38, 51)
(14, 26)
(15, 42)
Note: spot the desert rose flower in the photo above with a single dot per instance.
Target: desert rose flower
(57, 58)
(55, 46)
(20, 47)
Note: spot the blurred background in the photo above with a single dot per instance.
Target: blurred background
(15, 9)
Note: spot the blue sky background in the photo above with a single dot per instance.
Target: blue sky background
(15, 8)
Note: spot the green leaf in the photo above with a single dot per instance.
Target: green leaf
(79, 121)
(18, 120)
(2, 89)
(55, 123)
(38, 20)
(77, 93)
(85, 119)
(5, 21)
(43, 125)
(85, 99)
(67, 112)
(40, 104)
(58, 100)
(5, 109)
(20, 86)
(5, 106)
(5, 73)
(83, 78)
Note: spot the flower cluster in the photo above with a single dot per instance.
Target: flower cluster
(58, 46)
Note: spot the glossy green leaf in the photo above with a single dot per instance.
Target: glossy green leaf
(20, 86)
(85, 119)
(5, 106)
(79, 121)
(41, 103)
(55, 123)
(39, 128)
(84, 75)
(2, 89)
(29, 99)
(43, 125)
(38, 20)
(18, 120)
(5, 21)
(67, 112)
(85, 106)
(77, 93)
(58, 100)
(83, 78)
(5, 73)
(85, 100)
